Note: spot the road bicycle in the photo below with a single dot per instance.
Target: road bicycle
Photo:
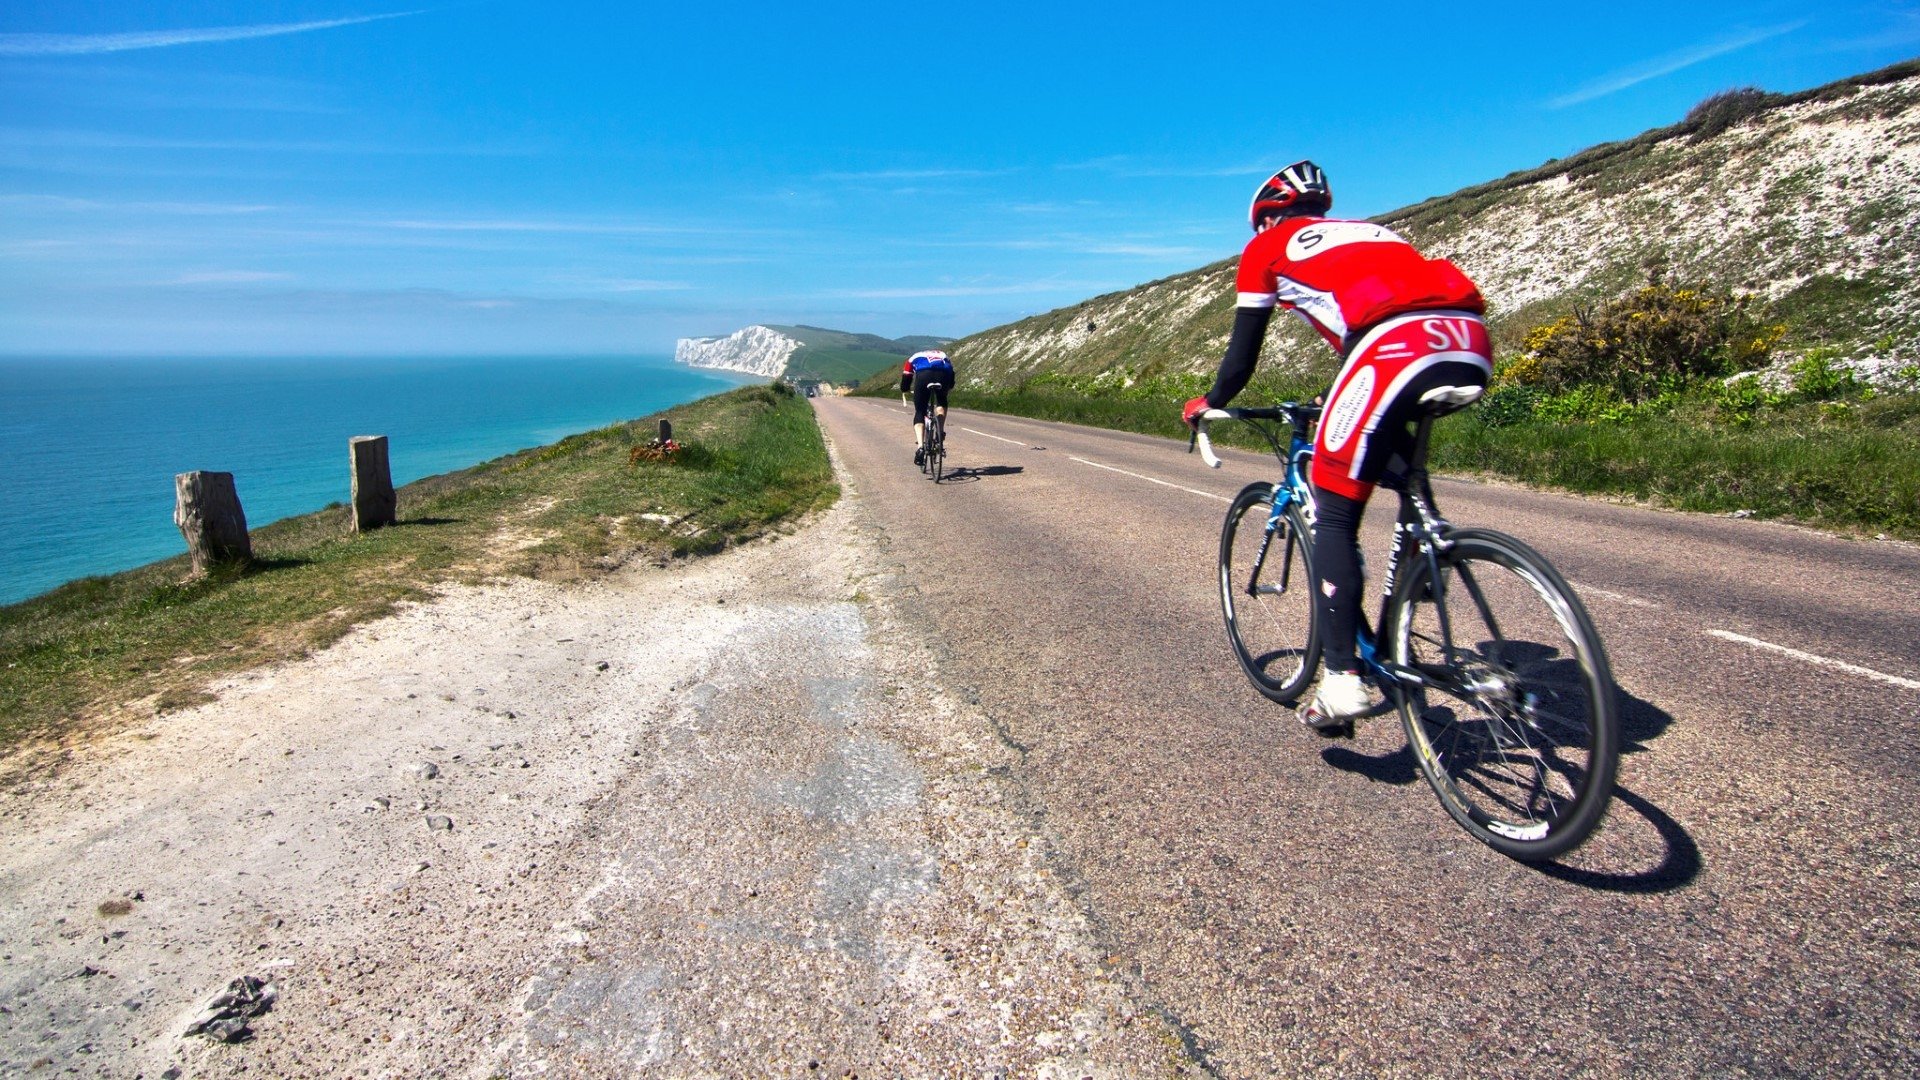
(935, 460)
(1487, 654)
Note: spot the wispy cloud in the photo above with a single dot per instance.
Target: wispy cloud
(1671, 62)
(1082, 245)
(638, 285)
(89, 44)
(73, 205)
(1109, 163)
(895, 175)
(1902, 28)
(227, 277)
(65, 139)
(527, 225)
(1129, 166)
(1025, 288)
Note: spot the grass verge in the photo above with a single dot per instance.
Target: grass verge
(148, 640)
(1831, 465)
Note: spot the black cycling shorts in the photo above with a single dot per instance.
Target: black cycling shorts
(930, 383)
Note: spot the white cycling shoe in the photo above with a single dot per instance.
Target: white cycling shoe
(1341, 698)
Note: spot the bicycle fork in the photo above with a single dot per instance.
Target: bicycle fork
(1276, 522)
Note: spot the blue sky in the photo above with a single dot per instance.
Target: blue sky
(504, 176)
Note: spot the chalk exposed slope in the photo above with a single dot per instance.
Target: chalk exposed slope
(756, 350)
(802, 353)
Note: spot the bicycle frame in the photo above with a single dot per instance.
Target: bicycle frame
(1418, 532)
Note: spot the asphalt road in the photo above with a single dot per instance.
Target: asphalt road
(1295, 906)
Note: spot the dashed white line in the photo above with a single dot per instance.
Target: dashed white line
(1015, 442)
(1823, 661)
(1618, 597)
(1152, 480)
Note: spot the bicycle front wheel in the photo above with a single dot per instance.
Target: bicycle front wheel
(1267, 593)
(1514, 721)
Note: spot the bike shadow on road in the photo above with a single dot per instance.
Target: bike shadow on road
(1671, 849)
(969, 475)
(1679, 863)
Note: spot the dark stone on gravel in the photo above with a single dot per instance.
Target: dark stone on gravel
(225, 1017)
(440, 822)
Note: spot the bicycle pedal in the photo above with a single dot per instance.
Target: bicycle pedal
(1318, 723)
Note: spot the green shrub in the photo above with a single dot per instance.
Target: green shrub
(1718, 112)
(1740, 398)
(1817, 377)
(1509, 404)
(1655, 341)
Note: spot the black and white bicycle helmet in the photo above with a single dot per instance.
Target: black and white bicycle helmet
(1299, 188)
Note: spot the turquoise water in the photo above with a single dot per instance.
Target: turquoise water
(91, 446)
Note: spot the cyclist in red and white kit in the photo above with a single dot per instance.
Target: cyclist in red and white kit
(1412, 334)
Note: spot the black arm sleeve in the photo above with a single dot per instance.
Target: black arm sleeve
(906, 383)
(1243, 352)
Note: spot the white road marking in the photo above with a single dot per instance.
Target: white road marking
(1823, 661)
(1151, 480)
(1609, 594)
(1015, 442)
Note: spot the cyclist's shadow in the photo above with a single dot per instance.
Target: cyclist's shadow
(1640, 723)
(970, 475)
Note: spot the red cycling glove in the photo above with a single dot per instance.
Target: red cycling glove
(1190, 413)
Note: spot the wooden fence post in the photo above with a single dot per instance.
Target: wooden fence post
(206, 507)
(373, 499)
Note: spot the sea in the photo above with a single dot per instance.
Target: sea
(90, 446)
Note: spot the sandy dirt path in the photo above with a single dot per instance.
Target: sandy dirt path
(721, 819)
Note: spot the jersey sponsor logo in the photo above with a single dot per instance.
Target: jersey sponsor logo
(1324, 236)
(1343, 416)
(1445, 334)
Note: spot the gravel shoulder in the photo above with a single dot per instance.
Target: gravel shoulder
(711, 820)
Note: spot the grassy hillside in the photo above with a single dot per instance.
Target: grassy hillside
(148, 640)
(838, 356)
(841, 365)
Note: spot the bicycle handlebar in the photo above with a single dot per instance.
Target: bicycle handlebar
(1200, 435)
(1300, 416)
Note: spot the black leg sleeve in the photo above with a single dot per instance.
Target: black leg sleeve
(1336, 555)
(1243, 352)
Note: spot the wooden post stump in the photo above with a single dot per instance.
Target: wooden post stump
(374, 503)
(666, 430)
(206, 507)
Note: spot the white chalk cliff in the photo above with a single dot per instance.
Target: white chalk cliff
(756, 350)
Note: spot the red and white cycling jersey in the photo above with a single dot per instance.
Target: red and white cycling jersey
(1344, 276)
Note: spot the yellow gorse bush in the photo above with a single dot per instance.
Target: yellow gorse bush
(1651, 341)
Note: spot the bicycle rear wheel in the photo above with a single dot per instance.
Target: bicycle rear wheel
(1267, 593)
(1516, 725)
(937, 455)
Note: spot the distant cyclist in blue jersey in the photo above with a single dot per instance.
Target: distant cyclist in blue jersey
(926, 375)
